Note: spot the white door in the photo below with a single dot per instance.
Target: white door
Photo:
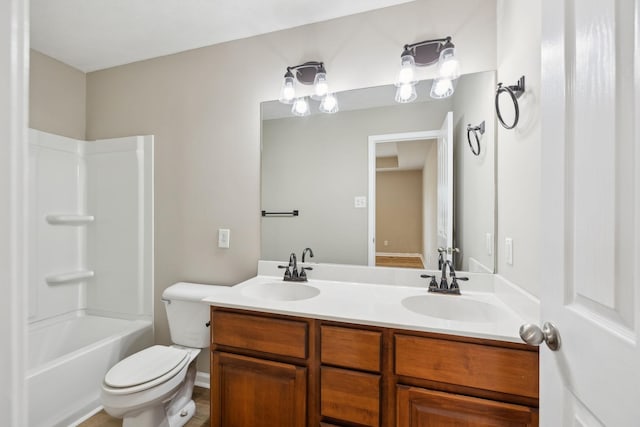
(445, 184)
(591, 212)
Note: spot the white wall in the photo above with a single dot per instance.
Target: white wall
(474, 176)
(112, 181)
(56, 186)
(519, 167)
(429, 208)
(13, 210)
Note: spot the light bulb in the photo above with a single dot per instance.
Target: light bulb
(449, 66)
(442, 88)
(329, 104)
(287, 91)
(407, 70)
(320, 85)
(406, 93)
(300, 107)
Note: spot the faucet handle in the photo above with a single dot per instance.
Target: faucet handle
(454, 288)
(433, 284)
(287, 272)
(303, 273)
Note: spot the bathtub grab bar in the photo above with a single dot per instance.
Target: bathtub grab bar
(69, 277)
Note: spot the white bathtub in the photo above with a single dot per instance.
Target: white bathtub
(68, 358)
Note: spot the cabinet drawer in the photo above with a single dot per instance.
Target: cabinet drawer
(260, 333)
(350, 348)
(472, 365)
(350, 396)
(421, 407)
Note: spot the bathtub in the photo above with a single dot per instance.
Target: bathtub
(68, 358)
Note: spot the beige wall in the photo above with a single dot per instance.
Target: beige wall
(57, 97)
(399, 211)
(203, 106)
(519, 168)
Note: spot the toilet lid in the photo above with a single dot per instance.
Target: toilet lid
(145, 366)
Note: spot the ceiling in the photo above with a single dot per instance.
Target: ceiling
(96, 34)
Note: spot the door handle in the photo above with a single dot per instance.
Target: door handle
(533, 335)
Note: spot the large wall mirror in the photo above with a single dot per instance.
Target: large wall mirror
(380, 206)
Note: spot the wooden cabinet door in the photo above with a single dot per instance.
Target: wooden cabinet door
(258, 393)
(417, 407)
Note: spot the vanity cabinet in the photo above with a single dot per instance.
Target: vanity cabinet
(261, 372)
(269, 370)
(350, 375)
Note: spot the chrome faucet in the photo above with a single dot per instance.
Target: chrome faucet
(444, 287)
(291, 273)
(304, 252)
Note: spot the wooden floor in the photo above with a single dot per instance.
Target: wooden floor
(399, 261)
(200, 419)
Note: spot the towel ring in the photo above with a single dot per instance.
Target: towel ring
(475, 130)
(514, 91)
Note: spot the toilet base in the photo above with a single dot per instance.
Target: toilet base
(175, 412)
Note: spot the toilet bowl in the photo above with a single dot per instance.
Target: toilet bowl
(153, 388)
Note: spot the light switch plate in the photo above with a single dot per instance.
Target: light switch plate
(508, 250)
(360, 201)
(489, 243)
(224, 236)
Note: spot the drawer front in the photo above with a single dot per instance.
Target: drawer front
(472, 365)
(350, 396)
(421, 407)
(351, 348)
(259, 333)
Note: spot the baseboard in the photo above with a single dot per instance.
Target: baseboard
(86, 417)
(203, 379)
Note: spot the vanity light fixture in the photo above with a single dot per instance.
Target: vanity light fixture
(309, 73)
(425, 53)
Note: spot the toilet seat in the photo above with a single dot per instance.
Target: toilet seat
(145, 369)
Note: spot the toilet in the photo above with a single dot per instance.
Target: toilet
(154, 386)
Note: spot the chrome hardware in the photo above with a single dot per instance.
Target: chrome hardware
(184, 413)
(305, 251)
(514, 91)
(444, 287)
(533, 335)
(291, 273)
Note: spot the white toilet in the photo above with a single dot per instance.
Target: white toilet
(153, 387)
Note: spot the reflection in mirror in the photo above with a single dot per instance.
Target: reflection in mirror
(319, 165)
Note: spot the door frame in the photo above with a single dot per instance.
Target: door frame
(379, 139)
(14, 102)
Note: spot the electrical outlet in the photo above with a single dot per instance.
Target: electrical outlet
(224, 237)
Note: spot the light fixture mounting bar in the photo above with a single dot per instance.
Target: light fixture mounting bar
(427, 52)
(306, 73)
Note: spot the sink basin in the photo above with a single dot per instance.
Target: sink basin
(281, 291)
(450, 307)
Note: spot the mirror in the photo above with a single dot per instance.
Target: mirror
(319, 166)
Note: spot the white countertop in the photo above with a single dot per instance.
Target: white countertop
(382, 304)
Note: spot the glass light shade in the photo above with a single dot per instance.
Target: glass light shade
(406, 93)
(448, 64)
(320, 85)
(287, 91)
(300, 107)
(442, 88)
(329, 104)
(407, 74)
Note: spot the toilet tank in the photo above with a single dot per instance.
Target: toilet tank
(187, 314)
